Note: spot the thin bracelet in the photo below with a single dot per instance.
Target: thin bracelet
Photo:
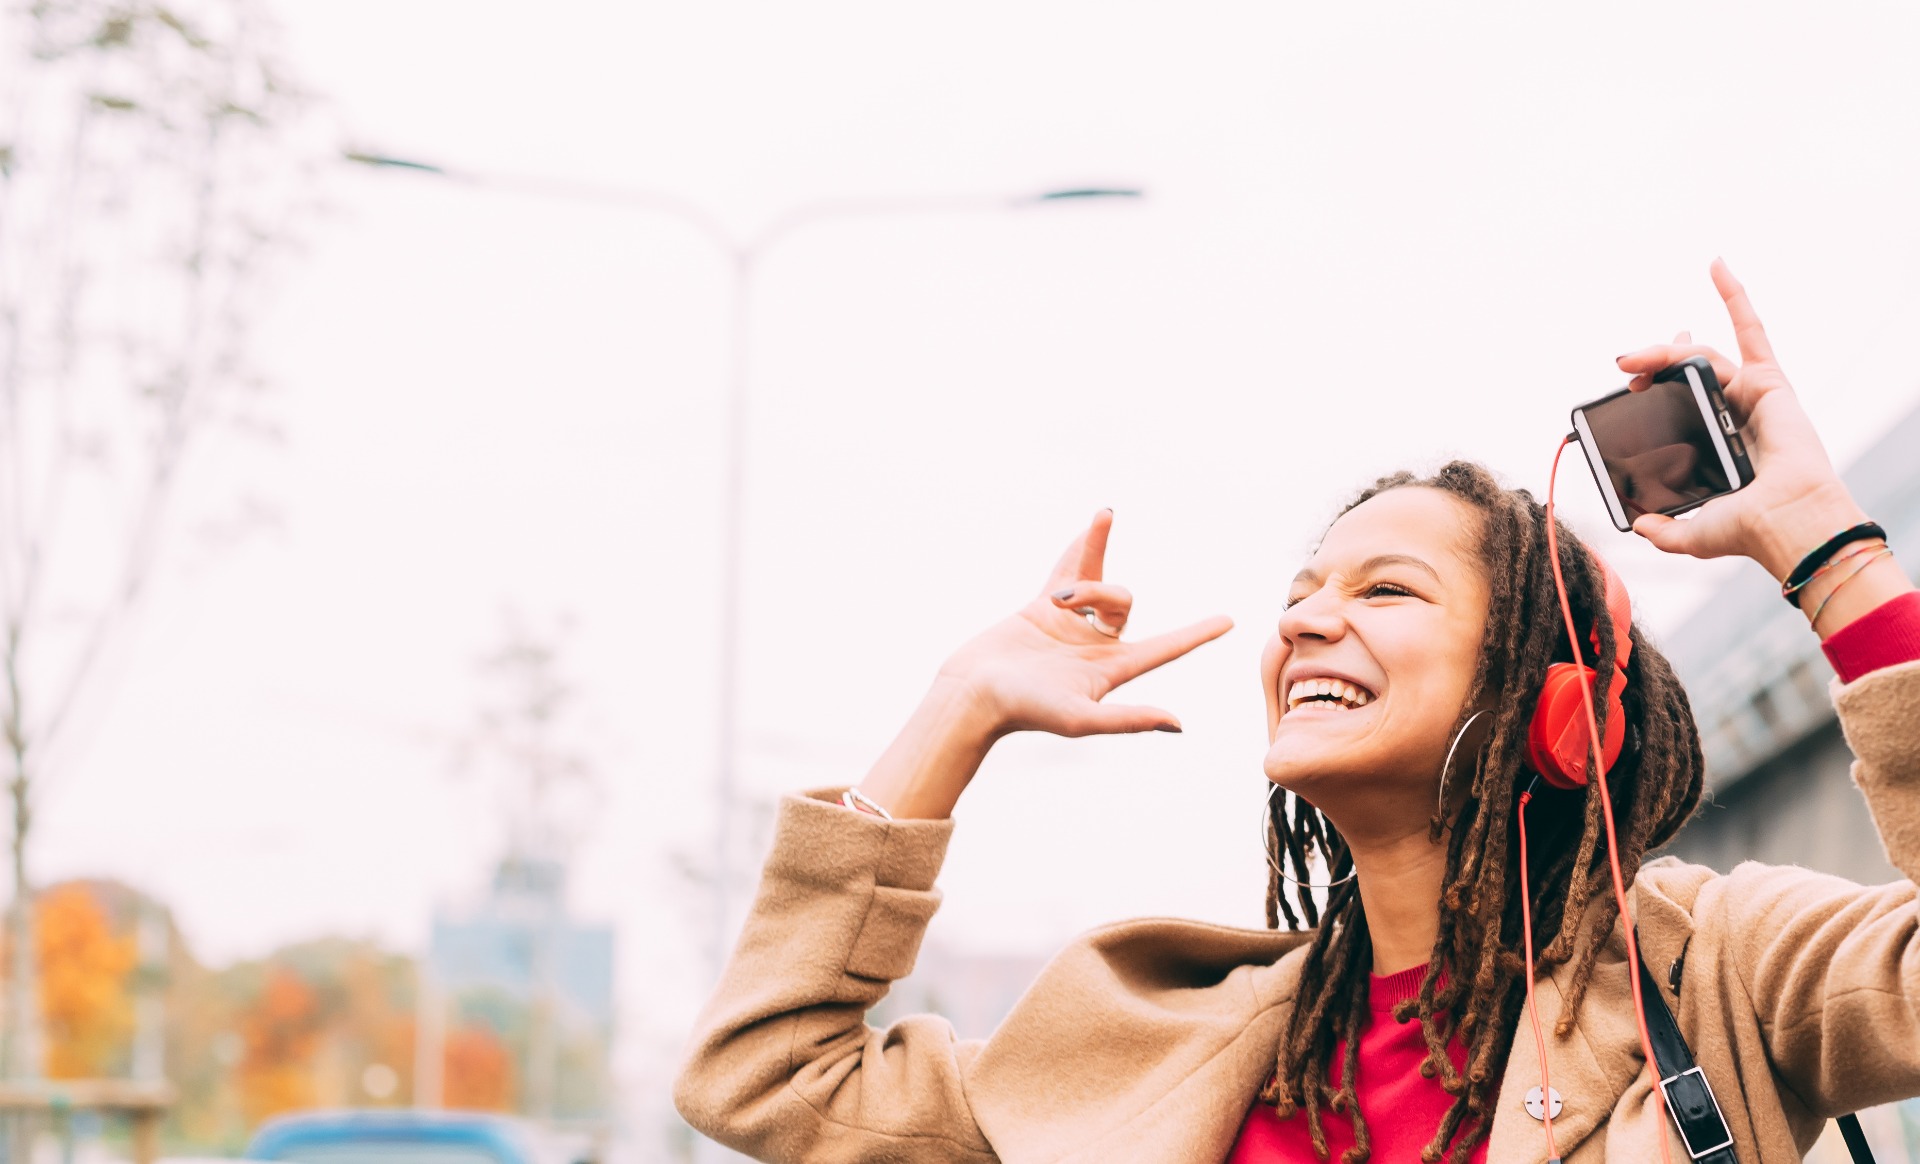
(859, 801)
(1858, 549)
(1814, 620)
(1803, 573)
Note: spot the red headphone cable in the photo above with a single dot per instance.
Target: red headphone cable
(1533, 1012)
(1606, 811)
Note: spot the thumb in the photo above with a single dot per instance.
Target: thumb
(1113, 719)
(1674, 537)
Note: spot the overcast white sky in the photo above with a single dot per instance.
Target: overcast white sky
(1377, 235)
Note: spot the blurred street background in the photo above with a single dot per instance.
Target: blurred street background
(463, 462)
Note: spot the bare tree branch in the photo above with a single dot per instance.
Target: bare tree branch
(145, 144)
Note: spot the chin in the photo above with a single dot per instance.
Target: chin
(1300, 768)
(1327, 774)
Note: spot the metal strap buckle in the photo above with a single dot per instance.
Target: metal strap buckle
(1712, 1109)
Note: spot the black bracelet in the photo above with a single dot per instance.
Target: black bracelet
(1811, 564)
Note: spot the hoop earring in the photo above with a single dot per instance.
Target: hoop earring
(1440, 807)
(1267, 848)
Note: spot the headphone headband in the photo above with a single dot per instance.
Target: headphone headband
(1620, 613)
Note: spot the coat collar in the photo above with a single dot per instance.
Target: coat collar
(1167, 1030)
(1591, 1067)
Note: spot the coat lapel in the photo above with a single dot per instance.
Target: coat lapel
(1589, 1077)
(1146, 1041)
(1599, 1068)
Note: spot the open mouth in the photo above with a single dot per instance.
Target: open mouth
(1331, 694)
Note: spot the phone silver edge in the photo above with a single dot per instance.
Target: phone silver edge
(1592, 452)
(1712, 416)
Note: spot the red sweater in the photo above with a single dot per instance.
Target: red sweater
(1402, 1108)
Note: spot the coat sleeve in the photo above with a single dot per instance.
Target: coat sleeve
(781, 1064)
(1833, 968)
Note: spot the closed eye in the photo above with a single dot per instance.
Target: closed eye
(1389, 590)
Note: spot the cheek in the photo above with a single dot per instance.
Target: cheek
(1272, 659)
(1434, 686)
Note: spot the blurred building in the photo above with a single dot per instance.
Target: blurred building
(1778, 784)
(519, 963)
(973, 991)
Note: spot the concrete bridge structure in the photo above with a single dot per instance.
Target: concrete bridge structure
(1779, 790)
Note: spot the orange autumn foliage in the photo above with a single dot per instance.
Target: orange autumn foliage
(479, 1071)
(84, 994)
(279, 1034)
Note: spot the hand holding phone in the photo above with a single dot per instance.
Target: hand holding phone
(1796, 500)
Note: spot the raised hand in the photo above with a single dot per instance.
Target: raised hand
(1045, 667)
(1796, 500)
(1048, 668)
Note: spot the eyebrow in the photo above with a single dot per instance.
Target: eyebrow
(1374, 563)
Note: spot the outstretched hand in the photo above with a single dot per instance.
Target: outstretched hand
(1796, 499)
(1047, 668)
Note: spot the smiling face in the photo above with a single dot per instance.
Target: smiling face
(1375, 658)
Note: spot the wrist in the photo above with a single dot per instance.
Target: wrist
(1788, 533)
(961, 713)
(930, 763)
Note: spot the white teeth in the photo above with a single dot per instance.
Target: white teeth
(1345, 695)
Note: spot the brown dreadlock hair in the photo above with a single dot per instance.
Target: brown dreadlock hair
(1473, 983)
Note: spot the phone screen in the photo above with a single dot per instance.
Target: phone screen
(1657, 449)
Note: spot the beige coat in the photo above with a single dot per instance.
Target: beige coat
(1146, 1041)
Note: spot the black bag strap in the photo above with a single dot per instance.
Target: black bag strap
(1689, 1098)
(1855, 1138)
(1684, 1089)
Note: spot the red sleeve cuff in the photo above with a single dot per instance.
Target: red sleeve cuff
(1885, 635)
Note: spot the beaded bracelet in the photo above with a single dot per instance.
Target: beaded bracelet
(1811, 565)
(1858, 549)
(1885, 552)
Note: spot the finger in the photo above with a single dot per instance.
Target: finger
(1746, 322)
(1093, 553)
(1645, 362)
(1099, 719)
(1067, 570)
(1110, 602)
(1161, 649)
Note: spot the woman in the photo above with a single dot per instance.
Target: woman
(1399, 686)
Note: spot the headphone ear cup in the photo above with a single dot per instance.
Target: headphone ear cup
(1557, 736)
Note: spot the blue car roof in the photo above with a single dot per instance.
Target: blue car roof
(496, 1134)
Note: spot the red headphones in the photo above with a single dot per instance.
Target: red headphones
(1557, 742)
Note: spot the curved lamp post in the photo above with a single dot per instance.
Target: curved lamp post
(743, 254)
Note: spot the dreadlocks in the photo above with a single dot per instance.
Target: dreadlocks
(1473, 984)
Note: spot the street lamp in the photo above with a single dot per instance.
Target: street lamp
(743, 254)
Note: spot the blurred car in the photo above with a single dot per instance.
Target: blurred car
(399, 1136)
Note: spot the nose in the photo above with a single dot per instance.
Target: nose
(1317, 616)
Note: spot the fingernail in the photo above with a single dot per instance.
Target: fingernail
(1168, 727)
(1107, 510)
(1063, 595)
(1618, 358)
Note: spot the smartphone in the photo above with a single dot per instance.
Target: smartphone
(1668, 449)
